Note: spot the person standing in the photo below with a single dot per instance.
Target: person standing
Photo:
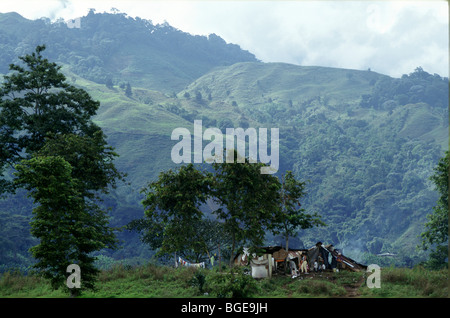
(304, 264)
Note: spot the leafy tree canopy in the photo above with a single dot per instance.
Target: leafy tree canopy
(250, 204)
(69, 227)
(172, 206)
(35, 102)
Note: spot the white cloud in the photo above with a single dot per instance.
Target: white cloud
(390, 37)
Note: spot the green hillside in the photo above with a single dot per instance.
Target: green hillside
(367, 168)
(245, 82)
(365, 142)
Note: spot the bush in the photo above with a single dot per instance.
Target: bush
(231, 283)
(198, 281)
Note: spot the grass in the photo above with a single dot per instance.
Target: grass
(412, 283)
(250, 82)
(152, 281)
(305, 287)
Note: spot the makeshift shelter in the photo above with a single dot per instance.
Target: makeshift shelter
(261, 265)
(272, 258)
(332, 258)
(318, 254)
(268, 259)
(344, 262)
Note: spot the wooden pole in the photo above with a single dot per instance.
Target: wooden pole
(220, 260)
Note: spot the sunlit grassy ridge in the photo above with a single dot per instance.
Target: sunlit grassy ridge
(250, 81)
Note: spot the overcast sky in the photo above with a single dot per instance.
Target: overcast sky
(390, 37)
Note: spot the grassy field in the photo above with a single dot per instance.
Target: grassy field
(151, 281)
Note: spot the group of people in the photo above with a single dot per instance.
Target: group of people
(318, 266)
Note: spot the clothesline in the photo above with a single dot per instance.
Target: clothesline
(182, 262)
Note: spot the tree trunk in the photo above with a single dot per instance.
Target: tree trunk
(74, 293)
(287, 250)
(220, 259)
(287, 242)
(232, 249)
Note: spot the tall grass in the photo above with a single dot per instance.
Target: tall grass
(17, 284)
(153, 281)
(409, 283)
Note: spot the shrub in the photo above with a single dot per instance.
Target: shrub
(198, 280)
(16, 281)
(231, 283)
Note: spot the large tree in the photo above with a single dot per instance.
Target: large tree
(35, 102)
(62, 159)
(436, 234)
(172, 208)
(174, 222)
(69, 226)
(249, 201)
(250, 205)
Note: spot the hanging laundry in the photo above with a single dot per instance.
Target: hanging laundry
(187, 264)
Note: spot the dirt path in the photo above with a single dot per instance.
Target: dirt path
(353, 289)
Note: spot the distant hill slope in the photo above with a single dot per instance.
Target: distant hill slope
(283, 81)
(120, 48)
(365, 142)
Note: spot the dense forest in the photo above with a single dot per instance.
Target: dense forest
(364, 144)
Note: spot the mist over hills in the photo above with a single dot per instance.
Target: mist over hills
(367, 143)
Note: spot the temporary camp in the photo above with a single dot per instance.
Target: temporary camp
(273, 258)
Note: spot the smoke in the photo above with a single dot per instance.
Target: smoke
(354, 248)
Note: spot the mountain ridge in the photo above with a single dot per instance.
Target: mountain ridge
(121, 48)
